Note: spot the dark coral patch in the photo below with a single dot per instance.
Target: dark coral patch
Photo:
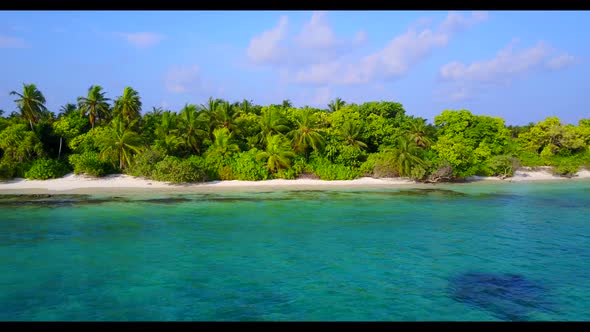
(167, 200)
(509, 297)
(427, 192)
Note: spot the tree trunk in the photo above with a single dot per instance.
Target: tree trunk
(31, 123)
(59, 153)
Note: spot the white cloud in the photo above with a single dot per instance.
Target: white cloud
(421, 23)
(319, 73)
(316, 41)
(266, 46)
(507, 64)
(395, 59)
(142, 39)
(317, 33)
(455, 22)
(183, 79)
(12, 42)
(455, 93)
(561, 61)
(404, 51)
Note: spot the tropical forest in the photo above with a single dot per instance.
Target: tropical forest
(99, 135)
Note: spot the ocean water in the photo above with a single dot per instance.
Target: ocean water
(474, 252)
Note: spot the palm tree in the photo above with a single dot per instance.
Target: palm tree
(120, 143)
(222, 145)
(68, 109)
(94, 105)
(419, 133)
(287, 104)
(306, 134)
(336, 104)
(278, 153)
(191, 127)
(166, 133)
(65, 110)
(245, 106)
(271, 122)
(350, 132)
(406, 155)
(209, 115)
(31, 103)
(172, 143)
(226, 115)
(19, 144)
(166, 125)
(156, 111)
(128, 106)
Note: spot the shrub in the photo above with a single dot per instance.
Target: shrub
(503, 165)
(350, 156)
(225, 173)
(298, 166)
(418, 173)
(88, 141)
(369, 164)
(7, 170)
(444, 172)
(566, 170)
(530, 159)
(585, 159)
(214, 166)
(145, 162)
(385, 168)
(43, 169)
(173, 169)
(246, 167)
(380, 165)
(196, 161)
(548, 151)
(579, 159)
(328, 171)
(90, 163)
(22, 168)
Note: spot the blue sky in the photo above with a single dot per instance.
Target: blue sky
(520, 65)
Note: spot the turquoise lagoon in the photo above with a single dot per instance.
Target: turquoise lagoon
(461, 252)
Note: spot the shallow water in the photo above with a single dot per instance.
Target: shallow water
(456, 252)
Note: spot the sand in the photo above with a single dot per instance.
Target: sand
(125, 183)
(527, 174)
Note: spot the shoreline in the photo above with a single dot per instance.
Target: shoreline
(121, 183)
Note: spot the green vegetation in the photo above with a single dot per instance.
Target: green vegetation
(566, 170)
(221, 140)
(89, 163)
(174, 169)
(43, 169)
(468, 141)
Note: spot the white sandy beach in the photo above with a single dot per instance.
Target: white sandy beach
(125, 183)
(526, 174)
(122, 182)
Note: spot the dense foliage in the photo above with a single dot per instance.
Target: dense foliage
(43, 169)
(220, 140)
